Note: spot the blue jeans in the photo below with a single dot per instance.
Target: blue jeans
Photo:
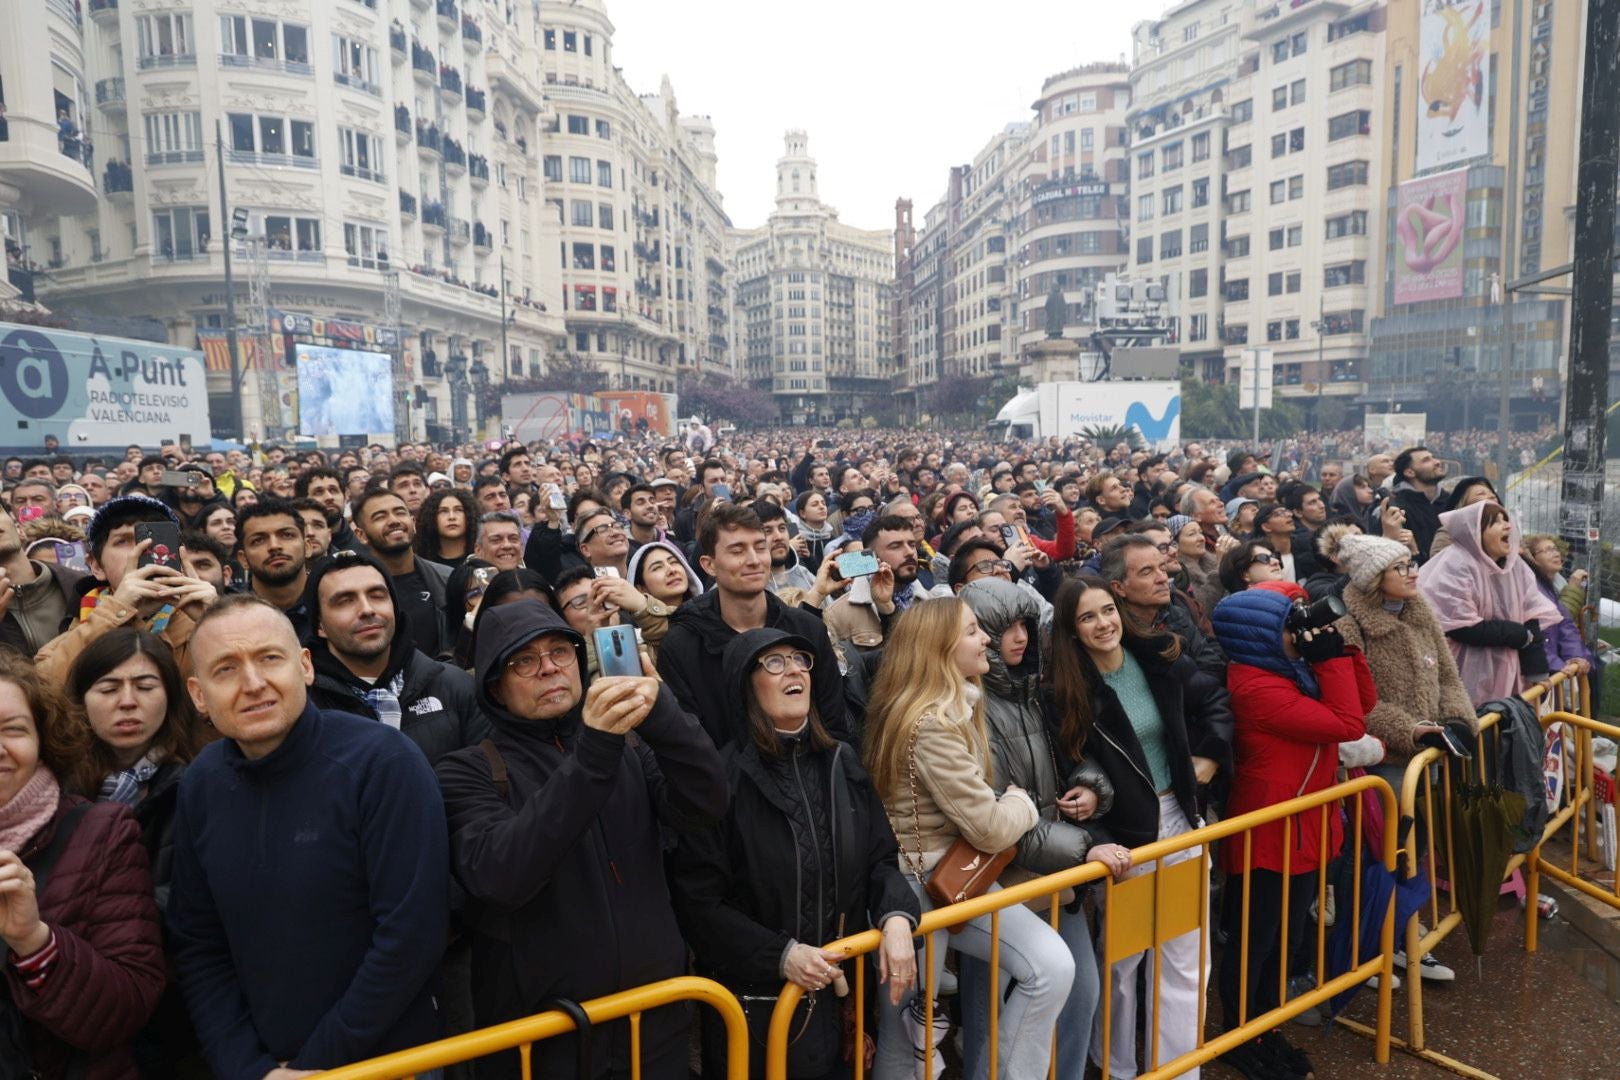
(1074, 1022)
(1038, 961)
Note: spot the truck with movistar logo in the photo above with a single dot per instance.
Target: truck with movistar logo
(1063, 409)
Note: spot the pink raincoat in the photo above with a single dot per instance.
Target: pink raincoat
(1465, 586)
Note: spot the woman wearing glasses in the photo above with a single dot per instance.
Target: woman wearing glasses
(804, 856)
(1250, 563)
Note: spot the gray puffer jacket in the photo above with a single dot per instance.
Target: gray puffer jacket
(1019, 746)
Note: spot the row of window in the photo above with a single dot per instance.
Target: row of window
(579, 170)
(571, 41)
(581, 125)
(1170, 155)
(585, 257)
(1333, 277)
(168, 39)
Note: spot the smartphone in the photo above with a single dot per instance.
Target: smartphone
(165, 547)
(171, 478)
(555, 498)
(72, 556)
(606, 571)
(616, 651)
(854, 564)
(1010, 537)
(1040, 487)
(26, 514)
(722, 491)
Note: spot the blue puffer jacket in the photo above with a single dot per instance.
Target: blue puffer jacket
(1249, 626)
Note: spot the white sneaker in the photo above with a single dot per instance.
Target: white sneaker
(1394, 981)
(1431, 968)
(947, 983)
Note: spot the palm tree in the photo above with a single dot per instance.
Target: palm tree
(1110, 435)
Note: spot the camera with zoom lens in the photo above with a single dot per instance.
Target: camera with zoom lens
(1303, 617)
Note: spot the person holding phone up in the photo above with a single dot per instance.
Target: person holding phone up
(129, 589)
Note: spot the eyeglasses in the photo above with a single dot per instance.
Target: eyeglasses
(577, 603)
(527, 665)
(777, 663)
(1264, 558)
(1165, 548)
(990, 566)
(610, 527)
(1404, 569)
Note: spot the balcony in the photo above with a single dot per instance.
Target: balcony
(407, 204)
(447, 15)
(449, 80)
(104, 11)
(505, 75)
(472, 38)
(476, 101)
(402, 123)
(429, 139)
(168, 60)
(423, 4)
(433, 216)
(455, 157)
(110, 94)
(460, 231)
(398, 42)
(117, 179)
(482, 237)
(478, 168)
(423, 66)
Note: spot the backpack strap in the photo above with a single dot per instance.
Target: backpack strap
(497, 766)
(46, 861)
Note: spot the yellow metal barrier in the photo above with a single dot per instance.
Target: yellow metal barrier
(522, 1034)
(1142, 913)
(1585, 727)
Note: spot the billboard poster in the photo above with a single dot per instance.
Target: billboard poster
(642, 410)
(92, 392)
(344, 391)
(1431, 215)
(1454, 95)
(1388, 433)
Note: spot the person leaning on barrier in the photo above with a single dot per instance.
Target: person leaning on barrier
(555, 836)
(1159, 728)
(1022, 754)
(805, 855)
(929, 757)
(1297, 694)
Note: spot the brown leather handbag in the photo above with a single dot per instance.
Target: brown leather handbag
(964, 871)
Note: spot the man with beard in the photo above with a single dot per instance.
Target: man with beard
(317, 533)
(325, 487)
(863, 614)
(1417, 483)
(271, 536)
(640, 504)
(388, 528)
(786, 569)
(363, 665)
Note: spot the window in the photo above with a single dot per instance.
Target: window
(1279, 98)
(570, 41)
(1355, 122)
(265, 139)
(1198, 239)
(1347, 174)
(1342, 322)
(584, 256)
(1296, 235)
(173, 137)
(579, 125)
(1274, 239)
(1087, 137)
(1237, 202)
(362, 154)
(1359, 24)
(1296, 187)
(1340, 274)
(1172, 200)
(1198, 328)
(1170, 244)
(1274, 330)
(180, 232)
(1279, 51)
(1296, 92)
(1297, 43)
(287, 237)
(1172, 156)
(579, 170)
(607, 257)
(1197, 284)
(1352, 224)
(1189, 32)
(366, 245)
(1200, 193)
(552, 166)
(1236, 247)
(1144, 249)
(1279, 144)
(1354, 73)
(264, 42)
(1239, 157)
(581, 213)
(1290, 142)
(604, 129)
(1144, 165)
(604, 174)
(587, 38)
(354, 63)
(165, 40)
(1144, 207)
(604, 215)
(1200, 147)
(1279, 191)
(1279, 283)
(1237, 289)
(551, 43)
(1243, 111)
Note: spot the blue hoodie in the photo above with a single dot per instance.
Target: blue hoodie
(1250, 625)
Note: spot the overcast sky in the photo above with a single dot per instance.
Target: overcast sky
(892, 92)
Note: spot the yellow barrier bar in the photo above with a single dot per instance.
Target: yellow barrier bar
(1045, 887)
(521, 1034)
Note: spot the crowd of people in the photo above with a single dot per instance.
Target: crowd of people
(306, 757)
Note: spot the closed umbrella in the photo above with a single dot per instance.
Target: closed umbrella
(1377, 883)
(1484, 818)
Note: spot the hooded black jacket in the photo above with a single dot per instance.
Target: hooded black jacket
(694, 648)
(565, 873)
(439, 713)
(1197, 715)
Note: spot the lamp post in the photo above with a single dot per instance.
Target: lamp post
(480, 383)
(230, 287)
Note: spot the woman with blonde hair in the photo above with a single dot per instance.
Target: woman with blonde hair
(928, 754)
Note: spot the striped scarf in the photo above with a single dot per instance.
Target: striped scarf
(158, 623)
(384, 700)
(125, 785)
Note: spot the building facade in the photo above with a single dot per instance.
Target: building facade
(813, 302)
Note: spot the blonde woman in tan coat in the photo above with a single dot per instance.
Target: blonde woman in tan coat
(929, 757)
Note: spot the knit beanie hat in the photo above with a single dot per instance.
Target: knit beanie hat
(1367, 557)
(1177, 522)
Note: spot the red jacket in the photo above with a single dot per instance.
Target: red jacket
(1061, 546)
(1287, 745)
(109, 969)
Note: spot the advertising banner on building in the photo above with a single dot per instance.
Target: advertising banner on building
(550, 417)
(1388, 433)
(641, 410)
(1431, 214)
(1454, 92)
(92, 392)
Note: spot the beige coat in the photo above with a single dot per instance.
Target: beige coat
(953, 798)
(1412, 667)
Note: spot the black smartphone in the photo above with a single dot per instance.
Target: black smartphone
(165, 547)
(171, 478)
(616, 652)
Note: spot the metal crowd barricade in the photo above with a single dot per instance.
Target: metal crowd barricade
(1579, 796)
(522, 1034)
(1428, 779)
(1142, 913)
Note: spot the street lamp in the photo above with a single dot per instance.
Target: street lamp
(480, 383)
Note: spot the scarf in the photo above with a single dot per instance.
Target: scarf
(125, 785)
(29, 811)
(158, 623)
(385, 700)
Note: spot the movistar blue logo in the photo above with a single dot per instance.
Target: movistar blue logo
(1153, 430)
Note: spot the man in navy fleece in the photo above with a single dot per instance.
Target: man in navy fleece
(310, 897)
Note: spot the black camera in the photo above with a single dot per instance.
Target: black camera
(1303, 616)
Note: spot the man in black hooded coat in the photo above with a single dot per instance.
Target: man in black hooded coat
(562, 856)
